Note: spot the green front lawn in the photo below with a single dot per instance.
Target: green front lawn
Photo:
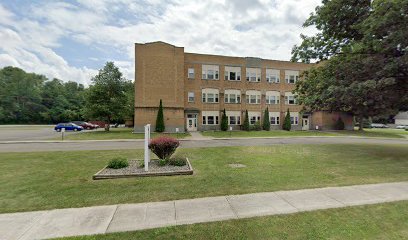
(47, 180)
(116, 133)
(386, 133)
(380, 221)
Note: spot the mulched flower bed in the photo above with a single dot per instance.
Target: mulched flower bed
(136, 170)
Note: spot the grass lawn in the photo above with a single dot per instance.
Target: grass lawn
(386, 133)
(116, 133)
(381, 221)
(48, 180)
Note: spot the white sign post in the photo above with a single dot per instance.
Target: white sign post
(62, 133)
(146, 148)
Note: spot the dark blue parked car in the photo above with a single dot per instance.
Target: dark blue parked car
(68, 127)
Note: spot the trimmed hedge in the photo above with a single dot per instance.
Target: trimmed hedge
(119, 162)
(164, 146)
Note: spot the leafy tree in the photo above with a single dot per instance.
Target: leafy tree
(339, 124)
(160, 119)
(224, 121)
(266, 121)
(286, 124)
(367, 68)
(245, 126)
(106, 98)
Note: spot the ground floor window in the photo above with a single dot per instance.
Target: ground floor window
(274, 120)
(294, 120)
(234, 120)
(210, 117)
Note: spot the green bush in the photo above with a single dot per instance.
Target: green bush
(339, 124)
(162, 162)
(266, 120)
(119, 162)
(160, 119)
(224, 121)
(257, 126)
(286, 124)
(245, 126)
(178, 161)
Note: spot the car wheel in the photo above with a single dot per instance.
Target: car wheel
(58, 130)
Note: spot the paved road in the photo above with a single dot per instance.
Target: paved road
(137, 144)
(131, 217)
(28, 132)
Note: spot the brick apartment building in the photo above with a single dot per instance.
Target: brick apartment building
(195, 88)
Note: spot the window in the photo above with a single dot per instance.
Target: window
(232, 73)
(232, 96)
(253, 97)
(210, 72)
(272, 76)
(210, 117)
(254, 117)
(291, 77)
(294, 118)
(290, 99)
(191, 73)
(234, 117)
(210, 95)
(253, 74)
(274, 118)
(272, 97)
(191, 97)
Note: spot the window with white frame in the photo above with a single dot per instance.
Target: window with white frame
(272, 97)
(232, 96)
(290, 98)
(234, 117)
(274, 118)
(253, 97)
(210, 72)
(294, 118)
(232, 73)
(254, 117)
(291, 77)
(191, 97)
(210, 95)
(191, 73)
(210, 117)
(272, 75)
(253, 74)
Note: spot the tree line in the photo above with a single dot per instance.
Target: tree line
(27, 98)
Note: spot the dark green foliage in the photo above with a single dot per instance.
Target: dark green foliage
(245, 125)
(257, 126)
(224, 121)
(119, 162)
(266, 121)
(339, 124)
(160, 119)
(178, 161)
(286, 124)
(162, 162)
(107, 97)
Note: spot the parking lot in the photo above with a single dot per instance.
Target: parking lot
(29, 132)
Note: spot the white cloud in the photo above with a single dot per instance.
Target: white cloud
(259, 28)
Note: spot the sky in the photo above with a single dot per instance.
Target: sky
(71, 40)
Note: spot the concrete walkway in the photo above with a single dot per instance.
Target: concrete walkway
(130, 217)
(197, 136)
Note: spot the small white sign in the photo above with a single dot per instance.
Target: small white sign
(63, 130)
(230, 128)
(177, 130)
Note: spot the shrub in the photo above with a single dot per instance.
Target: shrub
(245, 126)
(339, 124)
(266, 121)
(164, 146)
(119, 162)
(178, 161)
(224, 121)
(286, 124)
(160, 119)
(257, 126)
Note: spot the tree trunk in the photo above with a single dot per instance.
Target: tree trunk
(360, 120)
(107, 125)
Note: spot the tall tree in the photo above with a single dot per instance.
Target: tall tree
(367, 68)
(245, 126)
(160, 127)
(106, 97)
(286, 123)
(224, 121)
(266, 121)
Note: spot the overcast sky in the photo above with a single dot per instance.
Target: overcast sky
(71, 40)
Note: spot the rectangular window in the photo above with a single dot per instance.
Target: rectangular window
(291, 77)
(234, 120)
(290, 100)
(253, 99)
(272, 99)
(191, 73)
(210, 120)
(204, 120)
(210, 72)
(233, 73)
(191, 97)
(210, 96)
(253, 74)
(272, 76)
(254, 119)
(232, 98)
(274, 120)
(294, 120)
(204, 98)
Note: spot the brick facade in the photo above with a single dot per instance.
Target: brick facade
(161, 72)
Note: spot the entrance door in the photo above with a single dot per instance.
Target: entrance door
(305, 124)
(191, 122)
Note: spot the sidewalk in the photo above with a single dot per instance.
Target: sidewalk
(130, 217)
